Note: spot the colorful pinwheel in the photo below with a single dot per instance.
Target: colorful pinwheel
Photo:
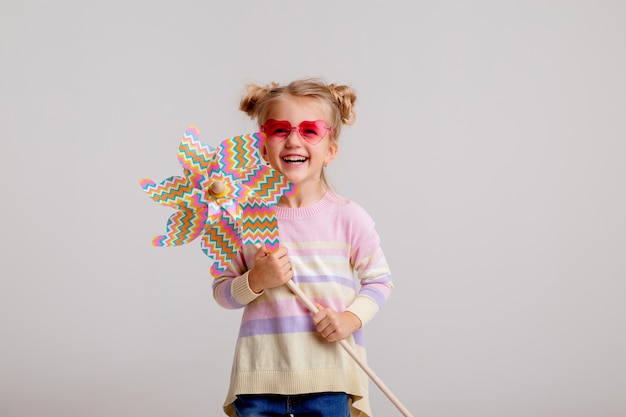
(226, 196)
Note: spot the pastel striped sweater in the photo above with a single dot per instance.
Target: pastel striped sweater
(337, 261)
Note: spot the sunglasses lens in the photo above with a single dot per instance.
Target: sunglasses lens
(312, 131)
(277, 129)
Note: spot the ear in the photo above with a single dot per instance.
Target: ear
(263, 152)
(331, 153)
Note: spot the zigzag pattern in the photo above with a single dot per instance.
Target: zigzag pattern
(173, 191)
(197, 180)
(199, 204)
(268, 184)
(182, 227)
(259, 224)
(244, 213)
(272, 245)
(238, 152)
(193, 154)
(231, 208)
(221, 242)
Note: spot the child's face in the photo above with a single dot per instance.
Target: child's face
(298, 160)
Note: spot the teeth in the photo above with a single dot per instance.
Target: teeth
(294, 159)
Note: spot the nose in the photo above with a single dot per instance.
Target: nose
(293, 137)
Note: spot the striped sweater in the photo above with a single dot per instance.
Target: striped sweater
(332, 246)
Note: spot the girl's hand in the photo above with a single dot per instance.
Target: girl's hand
(334, 326)
(270, 269)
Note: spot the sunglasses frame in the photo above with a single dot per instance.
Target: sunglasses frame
(287, 125)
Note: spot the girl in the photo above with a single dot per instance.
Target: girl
(285, 362)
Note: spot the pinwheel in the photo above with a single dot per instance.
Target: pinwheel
(225, 197)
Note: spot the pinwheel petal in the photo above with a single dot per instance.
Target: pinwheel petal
(259, 224)
(172, 192)
(193, 154)
(267, 183)
(221, 242)
(182, 227)
(239, 152)
(233, 208)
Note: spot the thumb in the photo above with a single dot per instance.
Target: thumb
(261, 252)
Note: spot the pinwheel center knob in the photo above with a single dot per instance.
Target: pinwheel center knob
(217, 189)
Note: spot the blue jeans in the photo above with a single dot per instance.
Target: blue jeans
(323, 404)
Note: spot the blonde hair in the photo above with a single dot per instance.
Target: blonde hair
(258, 101)
(340, 99)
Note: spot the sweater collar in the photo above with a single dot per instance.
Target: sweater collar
(306, 211)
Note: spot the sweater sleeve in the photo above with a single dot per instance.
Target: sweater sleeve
(231, 289)
(372, 270)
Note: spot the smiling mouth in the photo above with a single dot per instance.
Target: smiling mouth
(295, 160)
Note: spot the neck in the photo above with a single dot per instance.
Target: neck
(306, 195)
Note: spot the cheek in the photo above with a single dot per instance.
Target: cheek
(268, 152)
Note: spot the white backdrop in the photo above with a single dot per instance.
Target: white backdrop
(490, 149)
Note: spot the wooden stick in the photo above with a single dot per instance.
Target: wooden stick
(344, 344)
(302, 296)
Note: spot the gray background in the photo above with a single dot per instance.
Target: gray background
(490, 149)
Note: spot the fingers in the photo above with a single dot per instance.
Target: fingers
(272, 269)
(281, 252)
(283, 263)
(260, 253)
(323, 321)
(327, 329)
(332, 325)
(319, 316)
